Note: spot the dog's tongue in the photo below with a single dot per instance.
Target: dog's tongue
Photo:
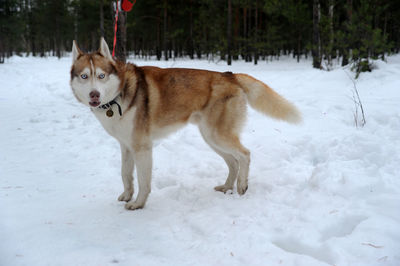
(94, 104)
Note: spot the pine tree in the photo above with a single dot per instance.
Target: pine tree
(366, 41)
(229, 32)
(11, 28)
(316, 34)
(356, 30)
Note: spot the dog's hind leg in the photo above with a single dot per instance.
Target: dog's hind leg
(231, 162)
(127, 167)
(231, 144)
(233, 166)
(220, 125)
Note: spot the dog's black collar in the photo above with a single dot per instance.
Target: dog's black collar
(109, 104)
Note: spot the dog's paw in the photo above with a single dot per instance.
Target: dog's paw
(242, 187)
(223, 188)
(133, 206)
(126, 196)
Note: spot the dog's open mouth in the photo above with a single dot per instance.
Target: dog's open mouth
(94, 104)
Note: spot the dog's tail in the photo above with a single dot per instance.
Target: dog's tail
(265, 100)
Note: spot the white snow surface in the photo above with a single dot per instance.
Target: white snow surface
(322, 193)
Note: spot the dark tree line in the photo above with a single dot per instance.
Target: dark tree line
(351, 31)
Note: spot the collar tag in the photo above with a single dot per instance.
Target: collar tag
(109, 113)
(108, 106)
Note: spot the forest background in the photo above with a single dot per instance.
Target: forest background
(348, 31)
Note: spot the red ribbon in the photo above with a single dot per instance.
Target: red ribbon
(115, 30)
(126, 6)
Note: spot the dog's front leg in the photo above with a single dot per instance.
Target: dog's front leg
(143, 159)
(127, 167)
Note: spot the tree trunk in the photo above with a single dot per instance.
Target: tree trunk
(345, 51)
(165, 31)
(236, 32)
(384, 31)
(158, 49)
(256, 34)
(76, 22)
(1, 52)
(298, 45)
(120, 49)
(191, 41)
(331, 35)
(245, 33)
(101, 19)
(229, 32)
(57, 38)
(248, 39)
(32, 33)
(316, 52)
(299, 37)
(94, 44)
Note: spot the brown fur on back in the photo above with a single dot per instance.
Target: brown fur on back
(174, 94)
(171, 96)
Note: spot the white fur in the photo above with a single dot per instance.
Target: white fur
(119, 127)
(163, 132)
(108, 87)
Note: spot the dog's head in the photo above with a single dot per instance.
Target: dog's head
(94, 76)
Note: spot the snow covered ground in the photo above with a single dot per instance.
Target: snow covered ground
(322, 193)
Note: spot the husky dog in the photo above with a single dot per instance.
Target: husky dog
(137, 105)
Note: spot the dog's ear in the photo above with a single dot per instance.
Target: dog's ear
(104, 50)
(76, 52)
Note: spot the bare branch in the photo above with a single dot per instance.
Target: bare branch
(357, 104)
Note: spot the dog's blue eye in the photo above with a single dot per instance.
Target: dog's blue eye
(84, 76)
(101, 76)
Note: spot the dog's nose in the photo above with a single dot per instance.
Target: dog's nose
(94, 94)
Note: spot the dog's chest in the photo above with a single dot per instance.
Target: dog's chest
(120, 127)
